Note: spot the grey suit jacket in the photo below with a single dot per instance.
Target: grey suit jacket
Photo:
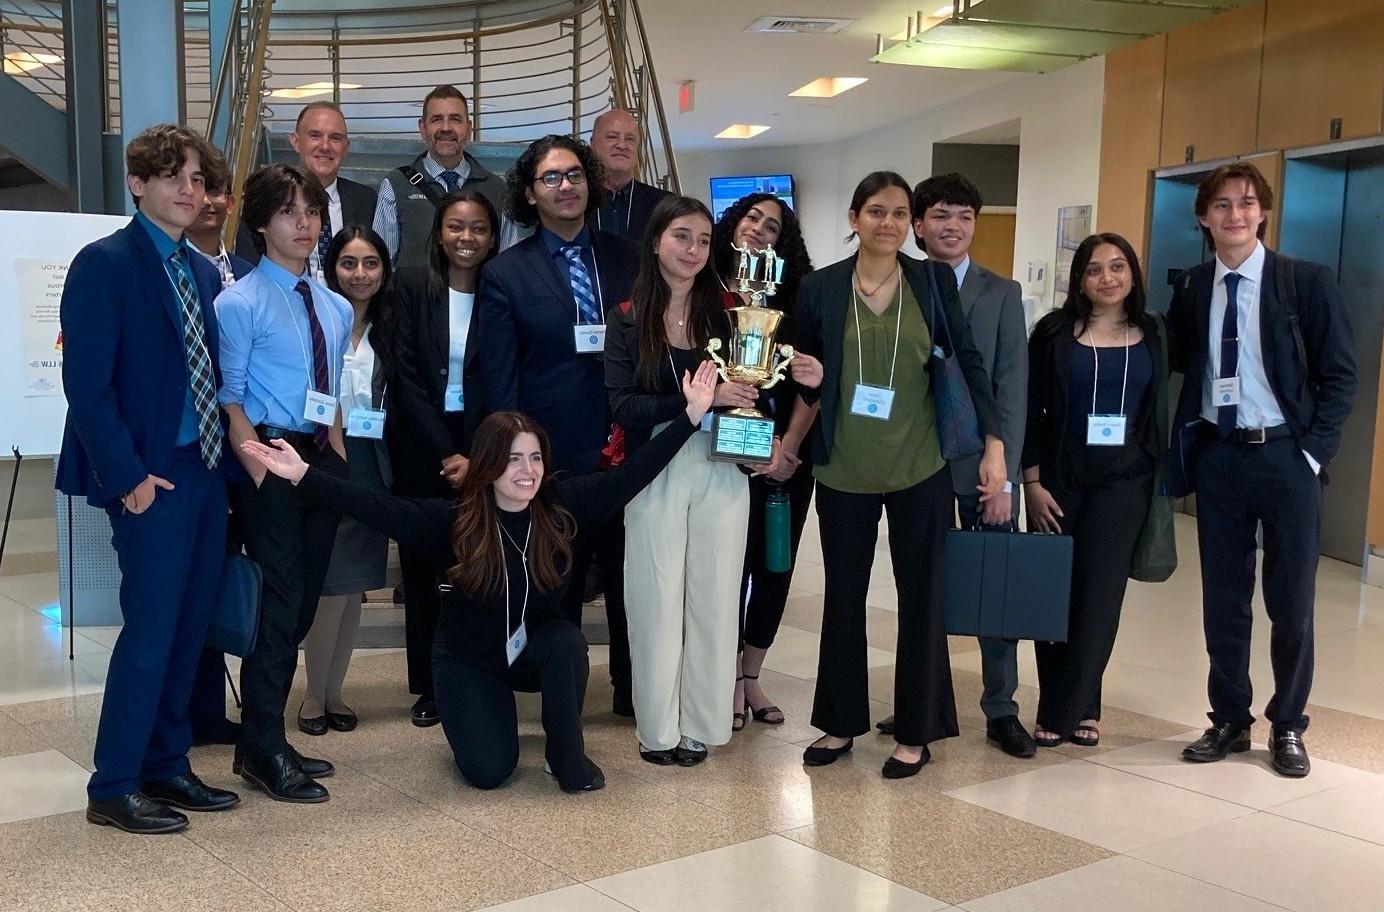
(995, 311)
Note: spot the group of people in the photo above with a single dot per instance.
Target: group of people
(510, 379)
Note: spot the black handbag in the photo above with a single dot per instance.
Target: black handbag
(235, 623)
(1007, 585)
(958, 428)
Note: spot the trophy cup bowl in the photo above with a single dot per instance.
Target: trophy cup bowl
(746, 435)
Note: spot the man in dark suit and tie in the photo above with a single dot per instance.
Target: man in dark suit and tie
(945, 208)
(1266, 349)
(543, 304)
(145, 441)
(322, 143)
(626, 202)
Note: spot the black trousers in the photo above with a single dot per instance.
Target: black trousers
(478, 713)
(763, 593)
(1103, 518)
(919, 517)
(421, 608)
(291, 539)
(605, 548)
(1239, 487)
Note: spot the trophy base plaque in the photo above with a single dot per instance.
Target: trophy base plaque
(744, 436)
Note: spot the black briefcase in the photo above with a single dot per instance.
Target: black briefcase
(1008, 585)
(235, 622)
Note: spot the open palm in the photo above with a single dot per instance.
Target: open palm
(280, 459)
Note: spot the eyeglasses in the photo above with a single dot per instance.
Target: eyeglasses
(554, 178)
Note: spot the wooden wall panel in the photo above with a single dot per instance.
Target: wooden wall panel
(1211, 92)
(1131, 129)
(993, 246)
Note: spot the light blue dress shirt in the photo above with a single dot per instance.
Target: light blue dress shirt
(165, 245)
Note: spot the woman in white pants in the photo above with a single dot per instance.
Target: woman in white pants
(685, 533)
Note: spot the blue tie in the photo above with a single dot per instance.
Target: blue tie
(324, 239)
(451, 179)
(581, 285)
(1226, 415)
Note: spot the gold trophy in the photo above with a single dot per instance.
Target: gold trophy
(746, 435)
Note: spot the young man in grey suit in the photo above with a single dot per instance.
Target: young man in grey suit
(945, 209)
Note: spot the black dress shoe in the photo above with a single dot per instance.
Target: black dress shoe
(134, 813)
(657, 757)
(824, 756)
(281, 778)
(1289, 753)
(689, 752)
(1010, 735)
(317, 769)
(220, 731)
(885, 725)
(190, 793)
(425, 713)
(622, 705)
(897, 769)
(343, 721)
(315, 726)
(1217, 741)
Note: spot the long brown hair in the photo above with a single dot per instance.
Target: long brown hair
(480, 566)
(650, 294)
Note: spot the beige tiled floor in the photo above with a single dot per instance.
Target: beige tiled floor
(1125, 826)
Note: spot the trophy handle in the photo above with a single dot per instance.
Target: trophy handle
(712, 347)
(782, 356)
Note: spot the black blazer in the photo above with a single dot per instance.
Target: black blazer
(357, 208)
(824, 299)
(1309, 358)
(424, 434)
(1046, 435)
(529, 360)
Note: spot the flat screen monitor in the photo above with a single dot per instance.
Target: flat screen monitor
(726, 190)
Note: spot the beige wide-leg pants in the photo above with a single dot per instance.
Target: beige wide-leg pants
(684, 554)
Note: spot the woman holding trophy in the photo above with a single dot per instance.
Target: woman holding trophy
(885, 326)
(759, 222)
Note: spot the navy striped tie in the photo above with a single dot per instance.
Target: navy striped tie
(321, 378)
(199, 371)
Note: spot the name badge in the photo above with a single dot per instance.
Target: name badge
(453, 400)
(707, 419)
(1105, 430)
(363, 422)
(320, 408)
(516, 643)
(590, 337)
(1225, 391)
(872, 401)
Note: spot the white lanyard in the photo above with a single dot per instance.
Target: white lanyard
(1095, 379)
(335, 389)
(898, 324)
(524, 555)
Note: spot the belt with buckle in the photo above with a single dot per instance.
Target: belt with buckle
(1259, 435)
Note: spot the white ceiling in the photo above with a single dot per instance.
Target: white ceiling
(745, 77)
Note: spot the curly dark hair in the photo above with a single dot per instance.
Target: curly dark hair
(525, 172)
(789, 245)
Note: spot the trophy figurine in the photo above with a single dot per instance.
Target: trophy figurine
(746, 435)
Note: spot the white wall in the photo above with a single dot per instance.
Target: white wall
(1059, 159)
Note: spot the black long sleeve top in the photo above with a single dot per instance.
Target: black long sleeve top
(478, 625)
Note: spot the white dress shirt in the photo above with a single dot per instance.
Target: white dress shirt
(221, 261)
(460, 306)
(357, 390)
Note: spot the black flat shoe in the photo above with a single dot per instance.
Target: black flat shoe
(315, 726)
(1289, 753)
(425, 713)
(885, 725)
(689, 752)
(1216, 742)
(342, 722)
(190, 794)
(134, 813)
(897, 769)
(317, 769)
(1010, 736)
(657, 758)
(825, 756)
(281, 778)
(221, 731)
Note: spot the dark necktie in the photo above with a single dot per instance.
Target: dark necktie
(321, 380)
(324, 239)
(580, 281)
(199, 371)
(1226, 415)
(451, 179)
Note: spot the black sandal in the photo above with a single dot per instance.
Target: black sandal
(1044, 738)
(1083, 740)
(737, 719)
(762, 714)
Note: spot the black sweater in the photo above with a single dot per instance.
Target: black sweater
(477, 626)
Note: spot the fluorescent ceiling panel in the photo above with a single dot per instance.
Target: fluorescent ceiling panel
(829, 86)
(741, 131)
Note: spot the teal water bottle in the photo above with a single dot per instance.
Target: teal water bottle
(778, 536)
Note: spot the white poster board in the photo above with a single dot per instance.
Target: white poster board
(33, 265)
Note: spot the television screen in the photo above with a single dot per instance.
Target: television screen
(726, 190)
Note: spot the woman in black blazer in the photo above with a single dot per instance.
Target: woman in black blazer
(437, 397)
(1097, 433)
(874, 321)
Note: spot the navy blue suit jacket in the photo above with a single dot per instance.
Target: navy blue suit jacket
(529, 360)
(124, 367)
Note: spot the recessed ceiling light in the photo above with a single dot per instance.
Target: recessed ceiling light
(17, 62)
(309, 90)
(828, 86)
(741, 131)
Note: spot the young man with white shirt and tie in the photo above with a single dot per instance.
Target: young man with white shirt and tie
(1266, 350)
(282, 346)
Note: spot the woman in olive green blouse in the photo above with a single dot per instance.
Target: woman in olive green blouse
(870, 319)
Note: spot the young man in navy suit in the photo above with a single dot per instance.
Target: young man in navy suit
(1266, 349)
(543, 304)
(144, 440)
